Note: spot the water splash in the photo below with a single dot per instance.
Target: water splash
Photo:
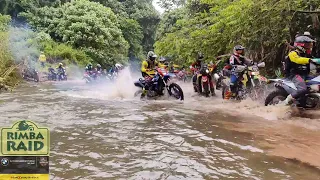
(23, 45)
(121, 88)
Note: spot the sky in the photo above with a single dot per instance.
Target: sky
(158, 8)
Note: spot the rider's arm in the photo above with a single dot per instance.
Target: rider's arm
(232, 60)
(144, 66)
(193, 66)
(294, 57)
(248, 61)
(156, 64)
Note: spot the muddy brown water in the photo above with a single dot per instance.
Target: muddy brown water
(94, 136)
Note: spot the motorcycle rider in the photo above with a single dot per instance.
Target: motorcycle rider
(118, 67)
(60, 67)
(163, 62)
(163, 65)
(147, 71)
(148, 65)
(89, 67)
(237, 58)
(196, 66)
(99, 68)
(214, 72)
(297, 67)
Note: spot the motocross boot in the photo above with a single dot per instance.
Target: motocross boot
(233, 90)
(227, 95)
(218, 84)
(195, 88)
(143, 94)
(212, 92)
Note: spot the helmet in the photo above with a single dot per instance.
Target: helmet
(41, 52)
(151, 56)
(304, 44)
(200, 56)
(60, 64)
(98, 65)
(162, 59)
(238, 48)
(118, 65)
(307, 34)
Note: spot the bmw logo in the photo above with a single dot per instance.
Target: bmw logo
(4, 162)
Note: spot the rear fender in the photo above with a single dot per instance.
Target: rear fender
(204, 79)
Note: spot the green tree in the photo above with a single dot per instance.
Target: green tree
(132, 32)
(86, 25)
(143, 12)
(215, 27)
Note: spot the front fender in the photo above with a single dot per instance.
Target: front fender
(284, 82)
(139, 84)
(284, 87)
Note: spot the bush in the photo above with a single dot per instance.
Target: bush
(58, 51)
(9, 75)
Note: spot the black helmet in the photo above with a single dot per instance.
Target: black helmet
(200, 56)
(303, 43)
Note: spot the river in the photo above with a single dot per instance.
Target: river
(97, 133)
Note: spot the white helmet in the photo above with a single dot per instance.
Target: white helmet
(307, 33)
(118, 65)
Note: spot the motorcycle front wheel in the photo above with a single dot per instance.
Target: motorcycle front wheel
(176, 91)
(275, 97)
(138, 92)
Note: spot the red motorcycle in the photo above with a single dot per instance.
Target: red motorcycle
(202, 85)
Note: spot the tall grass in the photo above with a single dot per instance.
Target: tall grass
(9, 76)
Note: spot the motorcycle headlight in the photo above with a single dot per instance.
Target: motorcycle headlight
(207, 71)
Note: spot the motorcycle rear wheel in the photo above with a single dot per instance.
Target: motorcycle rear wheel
(36, 78)
(206, 89)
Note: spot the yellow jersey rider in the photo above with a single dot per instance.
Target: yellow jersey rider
(147, 66)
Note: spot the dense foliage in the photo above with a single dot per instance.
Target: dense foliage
(215, 27)
(85, 25)
(136, 19)
(8, 74)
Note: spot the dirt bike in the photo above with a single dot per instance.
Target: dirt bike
(181, 75)
(250, 82)
(112, 76)
(203, 81)
(62, 75)
(91, 76)
(285, 86)
(52, 75)
(31, 73)
(157, 85)
(216, 76)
